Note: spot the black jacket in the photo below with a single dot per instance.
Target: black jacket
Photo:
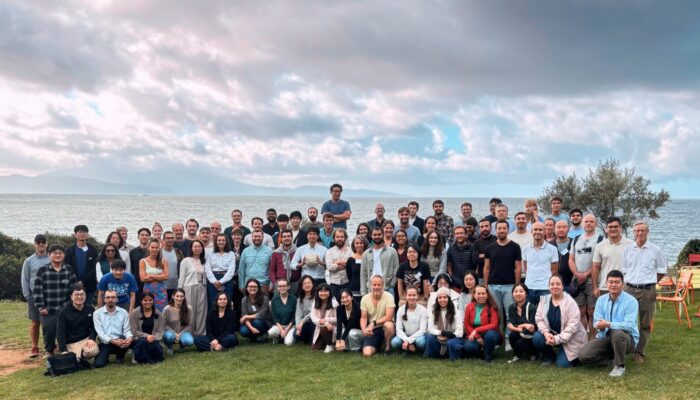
(345, 323)
(89, 279)
(218, 327)
(74, 325)
(419, 223)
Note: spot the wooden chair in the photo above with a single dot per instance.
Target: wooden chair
(680, 295)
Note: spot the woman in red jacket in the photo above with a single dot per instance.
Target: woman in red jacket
(481, 334)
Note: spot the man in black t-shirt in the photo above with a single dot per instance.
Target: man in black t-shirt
(480, 245)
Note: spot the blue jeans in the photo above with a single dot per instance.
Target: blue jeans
(503, 295)
(433, 347)
(186, 339)
(396, 344)
(550, 353)
(259, 324)
(228, 341)
(212, 292)
(457, 347)
(534, 296)
(307, 332)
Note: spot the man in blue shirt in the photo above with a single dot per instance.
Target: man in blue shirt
(112, 327)
(120, 281)
(339, 208)
(615, 319)
(82, 257)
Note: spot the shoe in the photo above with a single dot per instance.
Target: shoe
(35, 352)
(275, 339)
(638, 358)
(387, 353)
(533, 358)
(47, 355)
(169, 351)
(133, 360)
(617, 372)
(508, 348)
(546, 363)
(514, 360)
(329, 349)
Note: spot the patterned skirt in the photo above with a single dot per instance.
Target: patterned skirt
(160, 294)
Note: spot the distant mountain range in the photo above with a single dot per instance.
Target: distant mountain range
(163, 183)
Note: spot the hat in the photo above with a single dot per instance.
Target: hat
(79, 228)
(443, 290)
(40, 238)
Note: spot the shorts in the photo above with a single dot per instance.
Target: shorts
(375, 340)
(585, 295)
(32, 311)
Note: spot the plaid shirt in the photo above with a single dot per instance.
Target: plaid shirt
(445, 227)
(52, 288)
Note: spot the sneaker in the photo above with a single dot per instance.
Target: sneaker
(547, 363)
(275, 339)
(514, 360)
(617, 372)
(533, 358)
(35, 352)
(638, 358)
(329, 349)
(133, 360)
(170, 351)
(387, 353)
(508, 348)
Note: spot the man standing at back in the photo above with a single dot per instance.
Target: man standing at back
(541, 261)
(445, 223)
(415, 220)
(412, 233)
(180, 243)
(379, 220)
(271, 226)
(580, 263)
(339, 208)
(480, 245)
(237, 218)
(493, 203)
(521, 236)
(29, 269)
(643, 264)
(576, 217)
(83, 257)
(502, 264)
(557, 215)
(192, 226)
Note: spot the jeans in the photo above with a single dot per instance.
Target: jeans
(503, 296)
(550, 353)
(147, 353)
(228, 341)
(212, 292)
(433, 348)
(397, 342)
(535, 294)
(457, 347)
(307, 332)
(186, 339)
(259, 324)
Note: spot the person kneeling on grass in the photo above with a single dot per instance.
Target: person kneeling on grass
(376, 320)
(444, 323)
(411, 325)
(147, 325)
(522, 325)
(304, 328)
(615, 318)
(560, 334)
(480, 328)
(255, 308)
(178, 322)
(221, 327)
(112, 327)
(283, 306)
(323, 316)
(75, 330)
(349, 336)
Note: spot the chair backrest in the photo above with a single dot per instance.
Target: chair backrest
(693, 258)
(684, 279)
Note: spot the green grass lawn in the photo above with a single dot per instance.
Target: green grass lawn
(267, 371)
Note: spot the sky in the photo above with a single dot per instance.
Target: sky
(449, 98)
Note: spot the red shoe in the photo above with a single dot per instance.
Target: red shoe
(35, 352)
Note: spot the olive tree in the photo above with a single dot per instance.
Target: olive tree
(606, 191)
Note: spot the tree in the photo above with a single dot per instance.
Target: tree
(607, 191)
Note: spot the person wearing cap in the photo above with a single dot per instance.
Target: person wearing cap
(29, 269)
(83, 257)
(51, 291)
(75, 330)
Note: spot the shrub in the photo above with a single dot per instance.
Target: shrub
(692, 247)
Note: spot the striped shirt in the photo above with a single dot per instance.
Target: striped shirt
(52, 288)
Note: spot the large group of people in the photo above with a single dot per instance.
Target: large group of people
(544, 288)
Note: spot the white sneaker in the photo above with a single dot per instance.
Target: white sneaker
(329, 349)
(508, 348)
(617, 372)
(275, 339)
(514, 360)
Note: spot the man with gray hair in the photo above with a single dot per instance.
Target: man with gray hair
(643, 264)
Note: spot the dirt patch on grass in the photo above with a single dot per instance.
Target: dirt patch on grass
(12, 360)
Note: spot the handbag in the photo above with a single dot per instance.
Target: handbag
(526, 334)
(62, 364)
(574, 287)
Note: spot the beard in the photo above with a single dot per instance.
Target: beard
(340, 243)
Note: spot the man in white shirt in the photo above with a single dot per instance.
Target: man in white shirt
(336, 257)
(311, 257)
(607, 255)
(257, 223)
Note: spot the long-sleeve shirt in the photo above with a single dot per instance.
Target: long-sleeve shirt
(218, 327)
(218, 262)
(136, 324)
(316, 272)
(336, 274)
(415, 325)
(446, 228)
(622, 314)
(389, 260)
(436, 327)
(260, 312)
(282, 313)
(29, 269)
(303, 310)
(347, 322)
(52, 288)
(171, 319)
(255, 263)
(113, 325)
(488, 319)
(74, 325)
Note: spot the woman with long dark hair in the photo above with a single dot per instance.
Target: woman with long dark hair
(353, 266)
(433, 253)
(304, 328)
(219, 268)
(349, 336)
(108, 254)
(177, 319)
(323, 316)
(153, 271)
(147, 325)
(413, 274)
(411, 325)
(521, 324)
(480, 328)
(401, 245)
(471, 280)
(221, 327)
(444, 323)
(192, 281)
(255, 310)
(117, 240)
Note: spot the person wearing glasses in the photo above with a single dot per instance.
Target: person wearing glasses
(75, 330)
(255, 310)
(29, 269)
(113, 329)
(607, 255)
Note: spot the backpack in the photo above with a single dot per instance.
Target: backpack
(61, 364)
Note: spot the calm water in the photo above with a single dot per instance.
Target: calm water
(24, 216)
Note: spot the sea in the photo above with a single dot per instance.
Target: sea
(25, 215)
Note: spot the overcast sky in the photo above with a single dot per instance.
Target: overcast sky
(463, 98)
